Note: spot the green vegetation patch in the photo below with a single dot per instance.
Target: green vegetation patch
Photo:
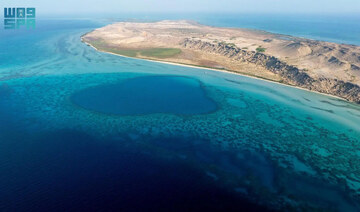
(153, 52)
(160, 52)
(227, 44)
(260, 49)
(231, 45)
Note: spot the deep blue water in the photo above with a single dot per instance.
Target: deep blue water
(264, 146)
(146, 95)
(69, 170)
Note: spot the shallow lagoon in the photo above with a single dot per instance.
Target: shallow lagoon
(265, 143)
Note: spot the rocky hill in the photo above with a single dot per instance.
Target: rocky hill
(289, 73)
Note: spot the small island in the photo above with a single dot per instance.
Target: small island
(324, 67)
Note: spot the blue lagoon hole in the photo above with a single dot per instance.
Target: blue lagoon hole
(146, 95)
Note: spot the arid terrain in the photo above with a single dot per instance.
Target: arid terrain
(315, 65)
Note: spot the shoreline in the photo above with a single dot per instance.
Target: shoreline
(214, 69)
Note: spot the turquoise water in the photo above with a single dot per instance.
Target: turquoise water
(242, 144)
(332, 28)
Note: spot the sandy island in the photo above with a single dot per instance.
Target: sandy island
(324, 67)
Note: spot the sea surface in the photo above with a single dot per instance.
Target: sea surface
(85, 130)
(339, 28)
